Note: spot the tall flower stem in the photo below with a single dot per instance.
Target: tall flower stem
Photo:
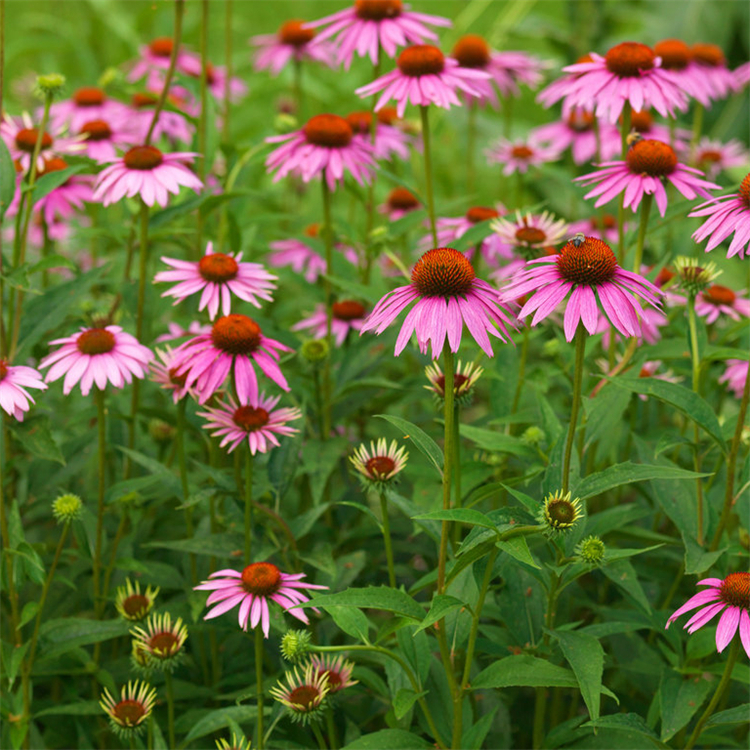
(425, 115)
(179, 11)
(182, 461)
(202, 119)
(297, 86)
(102, 466)
(328, 240)
(521, 376)
(721, 688)
(259, 683)
(169, 687)
(449, 415)
(645, 211)
(696, 359)
(471, 139)
(387, 540)
(227, 93)
(248, 506)
(624, 132)
(457, 496)
(580, 343)
(697, 128)
(732, 465)
(331, 727)
(319, 736)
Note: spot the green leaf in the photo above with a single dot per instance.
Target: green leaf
(498, 442)
(389, 739)
(622, 573)
(518, 547)
(7, 178)
(218, 545)
(49, 182)
(585, 655)
(64, 634)
(523, 671)
(86, 708)
(319, 460)
(403, 701)
(12, 658)
(372, 597)
(681, 696)
(441, 605)
(683, 399)
(29, 612)
(627, 473)
(36, 437)
(219, 719)
(626, 723)
(422, 440)
(458, 515)
(475, 735)
(352, 621)
(736, 715)
(698, 559)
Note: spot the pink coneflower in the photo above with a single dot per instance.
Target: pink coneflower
(735, 376)
(235, 342)
(447, 295)
(14, 380)
(251, 589)
(217, 277)
(326, 145)
(164, 373)
(216, 78)
(390, 141)
(529, 234)
(587, 269)
(646, 166)
(423, 76)
(714, 157)
(721, 300)
(604, 227)
(728, 214)
(176, 331)
(155, 56)
(304, 696)
(506, 69)
(651, 321)
(97, 355)
(169, 124)
(677, 60)
(20, 136)
(347, 315)
(257, 422)
(381, 463)
(742, 75)
(521, 154)
(147, 172)
(86, 104)
(104, 138)
(335, 669)
(730, 596)
(577, 132)
(653, 370)
(557, 90)
(370, 25)
(290, 43)
(128, 715)
(629, 72)
(66, 199)
(400, 202)
(719, 81)
(643, 123)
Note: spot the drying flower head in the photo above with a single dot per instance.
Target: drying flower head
(162, 640)
(694, 278)
(591, 550)
(131, 603)
(295, 644)
(304, 696)
(731, 597)
(464, 380)
(559, 513)
(336, 670)
(381, 463)
(67, 508)
(14, 380)
(128, 716)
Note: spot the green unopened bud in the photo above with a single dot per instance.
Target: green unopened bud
(285, 123)
(560, 513)
(591, 550)
(694, 278)
(295, 644)
(161, 431)
(50, 84)
(315, 350)
(67, 508)
(108, 77)
(533, 435)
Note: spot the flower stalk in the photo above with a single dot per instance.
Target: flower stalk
(248, 506)
(102, 467)
(259, 684)
(580, 344)
(327, 230)
(424, 113)
(645, 211)
(387, 540)
(696, 369)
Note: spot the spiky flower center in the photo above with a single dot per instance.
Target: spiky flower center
(443, 272)
(744, 190)
(481, 213)
(719, 295)
(458, 382)
(360, 121)
(312, 230)
(387, 115)
(331, 131)
(54, 164)
(380, 467)
(735, 590)
(293, 34)
(261, 579)
(128, 713)
(581, 121)
(164, 644)
(26, 140)
(334, 680)
(141, 101)
(641, 122)
(522, 152)
(3, 369)
(348, 309)
(421, 60)
(708, 54)
(96, 341)
(403, 199)
(629, 59)
(218, 267)
(96, 130)
(652, 158)
(236, 334)
(175, 379)
(378, 10)
(305, 697)
(90, 96)
(136, 604)
(472, 51)
(531, 235)
(249, 418)
(161, 47)
(675, 54)
(710, 156)
(143, 158)
(590, 262)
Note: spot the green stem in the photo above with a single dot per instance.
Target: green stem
(102, 431)
(449, 415)
(424, 112)
(259, 683)
(387, 540)
(5, 535)
(331, 727)
(328, 240)
(580, 341)
(697, 128)
(318, 735)
(248, 506)
(624, 132)
(734, 651)
(732, 465)
(297, 86)
(179, 9)
(521, 376)
(226, 110)
(112, 560)
(645, 211)
(182, 461)
(471, 139)
(696, 362)
(170, 705)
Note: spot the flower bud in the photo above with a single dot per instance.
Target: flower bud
(50, 84)
(295, 644)
(559, 513)
(591, 550)
(694, 278)
(533, 435)
(284, 124)
(315, 350)
(67, 508)
(161, 431)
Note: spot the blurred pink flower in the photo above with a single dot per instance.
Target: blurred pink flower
(14, 380)
(292, 42)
